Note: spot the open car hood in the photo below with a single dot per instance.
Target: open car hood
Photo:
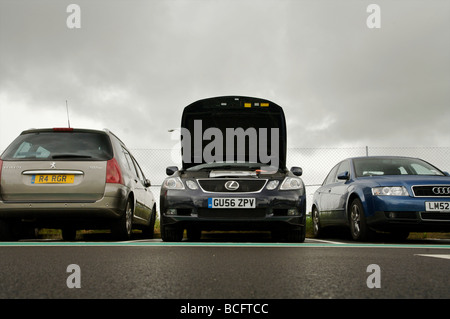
(233, 128)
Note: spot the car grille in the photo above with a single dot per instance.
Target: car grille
(217, 185)
(435, 216)
(431, 191)
(219, 213)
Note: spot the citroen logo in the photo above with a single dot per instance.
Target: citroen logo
(52, 165)
(441, 190)
(231, 185)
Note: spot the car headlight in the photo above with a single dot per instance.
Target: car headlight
(291, 183)
(173, 183)
(191, 184)
(390, 191)
(272, 185)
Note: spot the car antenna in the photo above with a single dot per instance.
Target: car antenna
(67, 109)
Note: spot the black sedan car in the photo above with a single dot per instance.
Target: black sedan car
(234, 174)
(391, 194)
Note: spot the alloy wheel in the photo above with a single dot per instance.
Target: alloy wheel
(355, 220)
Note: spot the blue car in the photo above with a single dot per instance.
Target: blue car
(383, 193)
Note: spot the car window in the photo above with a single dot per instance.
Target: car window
(421, 170)
(51, 145)
(344, 167)
(134, 166)
(331, 176)
(129, 161)
(139, 172)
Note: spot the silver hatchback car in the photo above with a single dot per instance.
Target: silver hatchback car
(71, 179)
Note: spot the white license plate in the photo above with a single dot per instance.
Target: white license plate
(221, 202)
(437, 206)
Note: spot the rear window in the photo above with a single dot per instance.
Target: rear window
(73, 146)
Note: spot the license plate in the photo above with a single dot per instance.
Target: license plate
(52, 179)
(233, 202)
(437, 206)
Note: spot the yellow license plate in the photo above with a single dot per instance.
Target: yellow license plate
(52, 179)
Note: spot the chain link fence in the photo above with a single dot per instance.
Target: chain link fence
(315, 162)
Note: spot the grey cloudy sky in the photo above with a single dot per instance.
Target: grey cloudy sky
(133, 66)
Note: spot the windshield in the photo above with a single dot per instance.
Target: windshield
(89, 146)
(393, 166)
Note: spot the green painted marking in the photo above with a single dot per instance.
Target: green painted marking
(213, 244)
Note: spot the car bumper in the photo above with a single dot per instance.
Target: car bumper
(272, 211)
(55, 214)
(408, 213)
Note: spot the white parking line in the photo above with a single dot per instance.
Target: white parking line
(435, 256)
(324, 241)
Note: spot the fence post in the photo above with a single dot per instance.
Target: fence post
(367, 150)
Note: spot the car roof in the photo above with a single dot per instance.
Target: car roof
(379, 157)
(62, 129)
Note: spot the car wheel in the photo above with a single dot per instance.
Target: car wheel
(358, 226)
(296, 235)
(149, 231)
(123, 227)
(317, 230)
(171, 233)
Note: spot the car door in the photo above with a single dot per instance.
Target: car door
(137, 185)
(144, 198)
(323, 195)
(338, 194)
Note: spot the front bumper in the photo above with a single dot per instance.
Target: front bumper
(407, 213)
(274, 210)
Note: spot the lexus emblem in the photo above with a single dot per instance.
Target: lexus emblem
(231, 185)
(441, 190)
(52, 165)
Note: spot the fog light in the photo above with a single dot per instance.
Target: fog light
(272, 185)
(191, 184)
(292, 212)
(171, 211)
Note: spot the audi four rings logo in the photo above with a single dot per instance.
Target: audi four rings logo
(441, 190)
(231, 185)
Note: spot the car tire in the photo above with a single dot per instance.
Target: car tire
(123, 227)
(171, 233)
(296, 235)
(317, 229)
(149, 231)
(360, 231)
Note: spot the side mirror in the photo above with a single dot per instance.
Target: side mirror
(344, 176)
(446, 174)
(297, 171)
(171, 170)
(147, 183)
